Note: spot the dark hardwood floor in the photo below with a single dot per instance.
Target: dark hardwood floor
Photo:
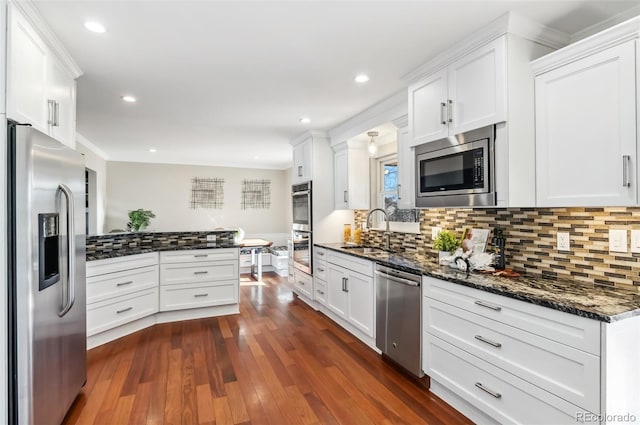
(277, 362)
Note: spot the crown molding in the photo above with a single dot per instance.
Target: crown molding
(509, 23)
(401, 122)
(93, 148)
(618, 34)
(310, 134)
(31, 13)
(606, 24)
(385, 111)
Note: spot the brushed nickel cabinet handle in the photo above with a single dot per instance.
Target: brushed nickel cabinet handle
(129, 282)
(51, 106)
(626, 165)
(399, 186)
(201, 295)
(450, 111)
(201, 255)
(488, 341)
(124, 310)
(299, 170)
(201, 272)
(301, 282)
(442, 109)
(320, 292)
(56, 114)
(345, 197)
(488, 391)
(486, 305)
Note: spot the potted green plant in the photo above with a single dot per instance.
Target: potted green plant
(139, 219)
(446, 243)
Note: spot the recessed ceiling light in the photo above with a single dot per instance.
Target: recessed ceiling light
(129, 98)
(153, 150)
(304, 120)
(361, 78)
(95, 27)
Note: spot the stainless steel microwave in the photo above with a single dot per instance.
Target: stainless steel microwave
(457, 171)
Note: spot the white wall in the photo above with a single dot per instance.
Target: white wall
(166, 190)
(97, 161)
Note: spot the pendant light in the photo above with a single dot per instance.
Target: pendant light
(373, 148)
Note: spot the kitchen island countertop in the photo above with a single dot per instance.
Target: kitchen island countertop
(597, 302)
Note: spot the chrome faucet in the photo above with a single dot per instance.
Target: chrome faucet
(387, 233)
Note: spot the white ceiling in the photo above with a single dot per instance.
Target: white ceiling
(224, 82)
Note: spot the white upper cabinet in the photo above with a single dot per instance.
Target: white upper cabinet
(586, 122)
(351, 177)
(41, 88)
(469, 93)
(302, 162)
(406, 170)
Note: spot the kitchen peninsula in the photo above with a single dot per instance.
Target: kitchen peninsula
(135, 280)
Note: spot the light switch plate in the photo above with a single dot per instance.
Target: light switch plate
(635, 241)
(563, 241)
(435, 231)
(617, 240)
(211, 238)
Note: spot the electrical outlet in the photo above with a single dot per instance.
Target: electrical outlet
(435, 231)
(635, 241)
(563, 241)
(617, 240)
(211, 238)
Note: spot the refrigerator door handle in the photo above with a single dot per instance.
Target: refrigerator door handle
(71, 250)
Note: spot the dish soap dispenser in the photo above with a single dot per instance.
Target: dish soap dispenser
(498, 243)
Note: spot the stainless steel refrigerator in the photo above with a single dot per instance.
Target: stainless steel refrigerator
(47, 301)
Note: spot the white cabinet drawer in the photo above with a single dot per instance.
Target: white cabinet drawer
(245, 260)
(110, 265)
(350, 262)
(173, 274)
(108, 314)
(111, 285)
(502, 396)
(320, 290)
(565, 328)
(198, 295)
(565, 371)
(303, 283)
(199, 255)
(320, 270)
(320, 253)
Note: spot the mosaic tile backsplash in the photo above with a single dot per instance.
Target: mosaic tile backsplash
(115, 241)
(531, 239)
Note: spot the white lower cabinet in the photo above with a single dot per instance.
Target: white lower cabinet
(500, 360)
(201, 278)
(320, 275)
(350, 290)
(121, 290)
(303, 284)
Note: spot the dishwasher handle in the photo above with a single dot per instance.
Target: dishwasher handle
(397, 279)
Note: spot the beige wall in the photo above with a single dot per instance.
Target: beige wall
(96, 162)
(166, 190)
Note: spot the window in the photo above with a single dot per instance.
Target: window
(388, 184)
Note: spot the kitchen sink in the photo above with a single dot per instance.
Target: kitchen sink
(365, 249)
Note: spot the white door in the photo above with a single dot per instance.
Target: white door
(360, 290)
(427, 109)
(477, 88)
(341, 179)
(62, 89)
(336, 293)
(26, 73)
(586, 131)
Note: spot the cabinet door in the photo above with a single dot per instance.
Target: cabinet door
(26, 73)
(336, 294)
(477, 88)
(586, 131)
(427, 109)
(360, 296)
(406, 171)
(341, 179)
(302, 159)
(61, 88)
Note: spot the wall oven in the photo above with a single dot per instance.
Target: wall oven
(457, 171)
(301, 252)
(301, 200)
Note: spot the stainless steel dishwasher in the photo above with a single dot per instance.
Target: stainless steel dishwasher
(399, 317)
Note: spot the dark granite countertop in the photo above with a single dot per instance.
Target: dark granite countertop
(606, 304)
(155, 247)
